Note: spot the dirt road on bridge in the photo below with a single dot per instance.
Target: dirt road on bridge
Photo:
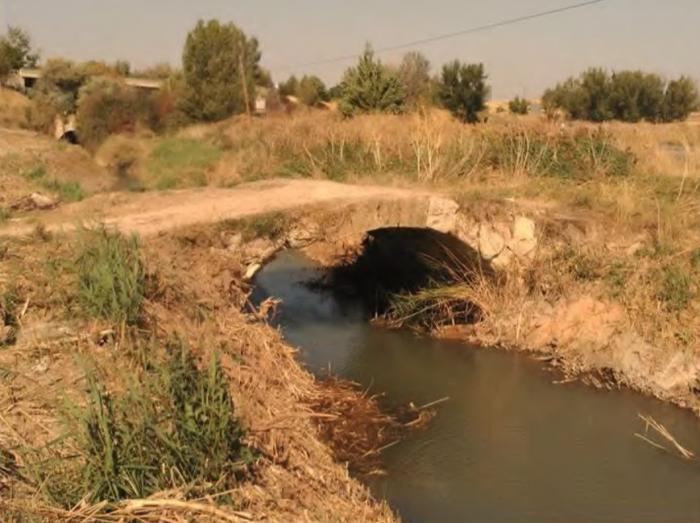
(153, 212)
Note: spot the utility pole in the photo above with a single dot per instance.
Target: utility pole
(244, 78)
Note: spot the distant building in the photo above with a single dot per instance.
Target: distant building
(260, 105)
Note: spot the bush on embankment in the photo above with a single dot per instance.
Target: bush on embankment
(108, 106)
(173, 427)
(110, 276)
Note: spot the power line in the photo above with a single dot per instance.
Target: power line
(445, 36)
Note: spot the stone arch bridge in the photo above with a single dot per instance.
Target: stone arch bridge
(318, 210)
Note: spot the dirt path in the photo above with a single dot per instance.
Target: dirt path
(152, 212)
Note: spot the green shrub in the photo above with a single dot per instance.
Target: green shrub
(271, 226)
(35, 174)
(629, 96)
(463, 90)
(519, 106)
(676, 288)
(9, 302)
(579, 157)
(107, 106)
(414, 75)
(111, 276)
(680, 99)
(310, 90)
(70, 191)
(55, 93)
(16, 51)
(67, 191)
(173, 427)
(177, 162)
(371, 87)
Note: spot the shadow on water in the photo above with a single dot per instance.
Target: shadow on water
(509, 446)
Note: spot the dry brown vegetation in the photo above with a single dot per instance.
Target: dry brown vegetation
(193, 293)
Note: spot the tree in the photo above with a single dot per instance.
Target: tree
(122, 67)
(263, 78)
(290, 87)
(312, 91)
(680, 99)
(371, 87)
(463, 90)
(519, 105)
(16, 51)
(107, 106)
(56, 92)
(159, 71)
(596, 87)
(220, 66)
(629, 96)
(414, 75)
(635, 95)
(335, 92)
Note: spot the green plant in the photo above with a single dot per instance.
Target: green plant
(680, 99)
(16, 51)
(371, 87)
(9, 323)
(220, 64)
(68, 191)
(311, 90)
(463, 90)
(271, 226)
(4, 214)
(695, 259)
(617, 275)
(676, 288)
(414, 75)
(35, 174)
(519, 106)
(173, 427)
(181, 161)
(629, 96)
(111, 276)
(108, 106)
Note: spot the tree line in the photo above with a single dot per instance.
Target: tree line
(630, 96)
(221, 76)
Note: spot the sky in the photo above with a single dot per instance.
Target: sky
(521, 59)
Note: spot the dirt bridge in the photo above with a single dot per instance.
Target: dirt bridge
(330, 209)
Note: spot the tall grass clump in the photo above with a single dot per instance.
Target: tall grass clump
(111, 276)
(172, 428)
(67, 191)
(9, 322)
(677, 288)
(176, 162)
(580, 156)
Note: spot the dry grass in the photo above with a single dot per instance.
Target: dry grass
(195, 294)
(13, 108)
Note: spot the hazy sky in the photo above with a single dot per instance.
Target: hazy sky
(655, 35)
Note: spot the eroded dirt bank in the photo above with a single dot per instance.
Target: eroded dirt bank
(594, 302)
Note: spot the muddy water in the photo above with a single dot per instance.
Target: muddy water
(509, 446)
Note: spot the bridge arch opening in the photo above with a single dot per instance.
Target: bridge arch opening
(70, 137)
(397, 267)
